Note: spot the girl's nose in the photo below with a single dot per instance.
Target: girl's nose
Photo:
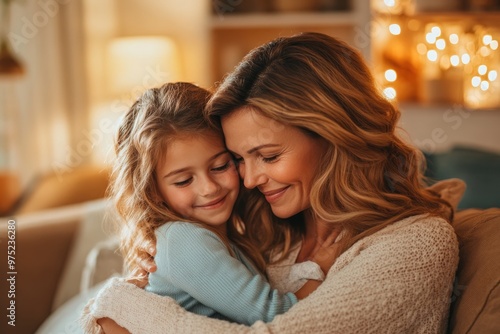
(209, 186)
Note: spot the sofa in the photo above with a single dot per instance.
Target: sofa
(65, 253)
(47, 224)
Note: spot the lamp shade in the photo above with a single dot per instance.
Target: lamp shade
(138, 63)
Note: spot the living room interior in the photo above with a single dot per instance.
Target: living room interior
(70, 69)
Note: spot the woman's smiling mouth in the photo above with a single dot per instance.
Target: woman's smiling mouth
(274, 195)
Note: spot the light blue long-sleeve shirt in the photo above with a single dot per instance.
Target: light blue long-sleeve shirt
(196, 269)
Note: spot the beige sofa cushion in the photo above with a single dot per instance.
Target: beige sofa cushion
(79, 185)
(476, 294)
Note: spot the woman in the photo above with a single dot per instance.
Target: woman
(317, 149)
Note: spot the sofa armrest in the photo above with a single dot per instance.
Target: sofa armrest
(476, 295)
(42, 242)
(51, 247)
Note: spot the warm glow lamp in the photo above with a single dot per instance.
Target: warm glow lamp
(138, 63)
(133, 64)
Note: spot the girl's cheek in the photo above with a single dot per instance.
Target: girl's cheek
(232, 179)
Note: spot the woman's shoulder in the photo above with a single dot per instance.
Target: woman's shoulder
(425, 225)
(423, 236)
(419, 246)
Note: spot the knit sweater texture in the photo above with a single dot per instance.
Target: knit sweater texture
(398, 280)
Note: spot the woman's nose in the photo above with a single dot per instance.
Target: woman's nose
(252, 176)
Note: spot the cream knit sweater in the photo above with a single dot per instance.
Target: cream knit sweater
(398, 280)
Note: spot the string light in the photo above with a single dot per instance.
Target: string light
(484, 51)
(482, 69)
(440, 44)
(390, 93)
(395, 29)
(430, 38)
(485, 85)
(432, 55)
(487, 39)
(476, 81)
(451, 51)
(444, 62)
(421, 48)
(492, 75)
(436, 31)
(390, 75)
(465, 59)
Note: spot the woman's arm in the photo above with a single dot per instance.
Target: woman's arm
(139, 311)
(397, 280)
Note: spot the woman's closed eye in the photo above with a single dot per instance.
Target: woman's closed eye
(270, 158)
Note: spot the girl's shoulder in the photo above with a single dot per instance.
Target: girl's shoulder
(177, 236)
(182, 230)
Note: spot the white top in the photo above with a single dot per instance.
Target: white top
(288, 276)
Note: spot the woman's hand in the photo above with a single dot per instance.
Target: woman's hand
(145, 265)
(109, 326)
(327, 251)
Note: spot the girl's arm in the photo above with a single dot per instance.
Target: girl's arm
(196, 261)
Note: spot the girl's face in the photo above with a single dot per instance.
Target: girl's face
(279, 160)
(198, 179)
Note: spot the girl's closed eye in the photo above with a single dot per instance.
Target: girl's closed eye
(183, 183)
(222, 167)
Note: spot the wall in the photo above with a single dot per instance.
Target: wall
(433, 128)
(437, 128)
(183, 20)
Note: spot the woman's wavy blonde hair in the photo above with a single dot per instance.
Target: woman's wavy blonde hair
(368, 178)
(155, 119)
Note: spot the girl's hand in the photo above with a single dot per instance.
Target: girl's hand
(327, 251)
(145, 265)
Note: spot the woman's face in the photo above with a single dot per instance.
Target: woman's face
(279, 160)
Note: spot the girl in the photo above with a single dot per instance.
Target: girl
(174, 181)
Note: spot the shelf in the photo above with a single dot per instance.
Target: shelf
(462, 15)
(437, 106)
(272, 20)
(452, 15)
